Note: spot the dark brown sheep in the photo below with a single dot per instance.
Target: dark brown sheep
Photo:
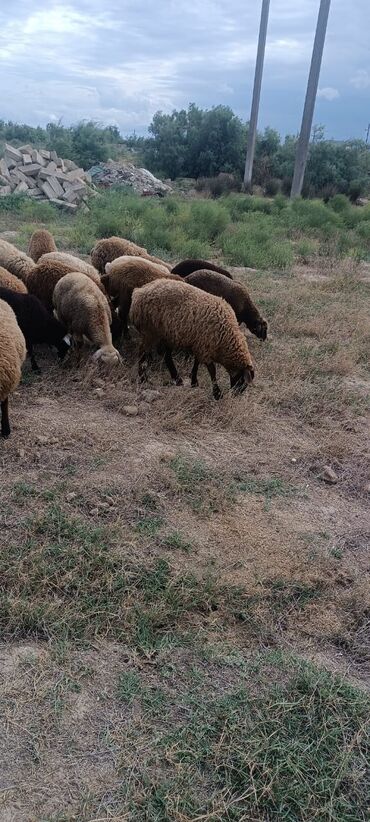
(8, 280)
(44, 277)
(236, 294)
(187, 267)
(41, 242)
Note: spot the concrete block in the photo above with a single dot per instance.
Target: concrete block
(76, 174)
(4, 190)
(13, 153)
(4, 181)
(51, 167)
(33, 169)
(37, 158)
(70, 196)
(25, 149)
(70, 165)
(54, 157)
(45, 154)
(57, 188)
(4, 170)
(48, 190)
(63, 204)
(21, 188)
(27, 159)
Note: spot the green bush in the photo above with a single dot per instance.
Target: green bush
(206, 220)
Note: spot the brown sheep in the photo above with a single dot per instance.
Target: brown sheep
(125, 274)
(41, 242)
(178, 316)
(82, 308)
(15, 261)
(236, 294)
(74, 263)
(8, 280)
(105, 251)
(44, 277)
(12, 356)
(187, 267)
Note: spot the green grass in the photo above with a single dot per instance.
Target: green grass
(243, 230)
(202, 489)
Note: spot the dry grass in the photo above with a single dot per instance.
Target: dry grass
(158, 571)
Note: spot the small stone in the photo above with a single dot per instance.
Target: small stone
(131, 410)
(94, 512)
(71, 496)
(21, 452)
(294, 459)
(42, 440)
(104, 506)
(99, 392)
(149, 395)
(329, 476)
(367, 488)
(99, 383)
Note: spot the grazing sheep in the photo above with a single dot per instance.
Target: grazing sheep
(126, 273)
(74, 263)
(187, 267)
(8, 280)
(235, 294)
(178, 316)
(84, 310)
(15, 261)
(43, 279)
(36, 324)
(12, 356)
(105, 251)
(41, 242)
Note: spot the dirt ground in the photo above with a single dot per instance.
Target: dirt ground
(233, 491)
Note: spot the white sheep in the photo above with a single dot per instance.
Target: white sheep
(84, 310)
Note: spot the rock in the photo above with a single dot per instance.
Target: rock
(99, 383)
(21, 452)
(94, 512)
(98, 392)
(367, 488)
(329, 476)
(71, 496)
(130, 410)
(42, 440)
(149, 395)
(140, 179)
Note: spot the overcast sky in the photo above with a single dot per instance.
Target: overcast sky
(119, 61)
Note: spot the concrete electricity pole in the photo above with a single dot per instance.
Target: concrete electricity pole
(313, 80)
(256, 95)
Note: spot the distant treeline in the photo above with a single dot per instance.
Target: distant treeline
(204, 143)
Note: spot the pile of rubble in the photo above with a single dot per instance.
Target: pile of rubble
(43, 175)
(119, 173)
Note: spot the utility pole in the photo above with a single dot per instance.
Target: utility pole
(309, 105)
(367, 134)
(251, 144)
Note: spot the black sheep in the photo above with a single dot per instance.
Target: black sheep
(187, 267)
(36, 323)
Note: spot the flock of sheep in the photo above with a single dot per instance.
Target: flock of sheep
(51, 297)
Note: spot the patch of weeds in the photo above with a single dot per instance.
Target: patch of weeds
(98, 462)
(202, 489)
(286, 594)
(149, 526)
(30, 377)
(62, 580)
(128, 687)
(269, 487)
(337, 553)
(23, 490)
(177, 542)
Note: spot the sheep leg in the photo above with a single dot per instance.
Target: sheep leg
(194, 374)
(175, 376)
(32, 357)
(217, 393)
(5, 427)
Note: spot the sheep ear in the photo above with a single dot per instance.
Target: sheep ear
(108, 267)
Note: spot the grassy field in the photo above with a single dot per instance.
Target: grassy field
(185, 602)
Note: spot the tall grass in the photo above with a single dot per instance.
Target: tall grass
(243, 230)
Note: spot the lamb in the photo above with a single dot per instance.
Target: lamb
(179, 316)
(8, 280)
(12, 356)
(15, 261)
(74, 263)
(35, 323)
(105, 251)
(43, 279)
(187, 267)
(84, 310)
(41, 242)
(235, 294)
(126, 273)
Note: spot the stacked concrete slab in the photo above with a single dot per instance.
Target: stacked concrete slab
(42, 175)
